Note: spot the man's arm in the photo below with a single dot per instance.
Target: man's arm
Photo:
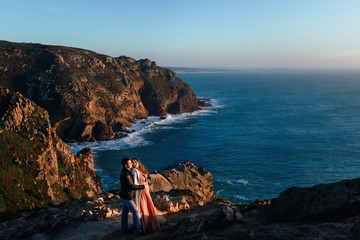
(131, 186)
(137, 187)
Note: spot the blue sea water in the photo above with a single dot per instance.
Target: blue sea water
(267, 130)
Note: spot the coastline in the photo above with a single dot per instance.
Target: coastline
(143, 126)
(203, 70)
(136, 137)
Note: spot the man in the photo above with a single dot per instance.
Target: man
(127, 194)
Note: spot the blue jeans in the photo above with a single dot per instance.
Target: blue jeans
(129, 205)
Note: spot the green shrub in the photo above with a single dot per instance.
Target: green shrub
(194, 174)
(61, 169)
(255, 205)
(222, 199)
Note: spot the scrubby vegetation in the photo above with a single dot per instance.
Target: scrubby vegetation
(33, 171)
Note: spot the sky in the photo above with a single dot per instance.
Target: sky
(195, 33)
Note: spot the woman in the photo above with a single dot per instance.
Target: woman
(143, 200)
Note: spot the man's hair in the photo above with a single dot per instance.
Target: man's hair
(124, 161)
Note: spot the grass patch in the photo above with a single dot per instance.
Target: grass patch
(3, 204)
(222, 199)
(13, 146)
(255, 205)
(166, 176)
(194, 174)
(61, 169)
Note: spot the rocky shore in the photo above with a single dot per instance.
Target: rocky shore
(191, 211)
(169, 194)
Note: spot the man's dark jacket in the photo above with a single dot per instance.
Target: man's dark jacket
(127, 185)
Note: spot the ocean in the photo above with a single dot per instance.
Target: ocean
(267, 130)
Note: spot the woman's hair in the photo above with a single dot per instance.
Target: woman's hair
(141, 166)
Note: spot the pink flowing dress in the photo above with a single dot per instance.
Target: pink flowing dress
(149, 222)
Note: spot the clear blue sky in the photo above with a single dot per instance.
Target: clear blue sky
(195, 33)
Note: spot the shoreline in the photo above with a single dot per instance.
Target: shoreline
(297, 213)
(140, 127)
(135, 137)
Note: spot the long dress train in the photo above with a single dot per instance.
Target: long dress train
(149, 221)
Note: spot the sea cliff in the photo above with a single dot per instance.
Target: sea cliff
(89, 96)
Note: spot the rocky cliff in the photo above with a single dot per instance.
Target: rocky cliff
(88, 95)
(36, 167)
(326, 211)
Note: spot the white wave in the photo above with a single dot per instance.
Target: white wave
(229, 182)
(232, 181)
(219, 191)
(243, 181)
(130, 141)
(239, 197)
(144, 126)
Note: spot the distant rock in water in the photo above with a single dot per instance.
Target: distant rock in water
(83, 90)
(204, 102)
(36, 167)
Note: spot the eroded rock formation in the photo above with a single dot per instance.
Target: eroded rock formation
(36, 167)
(181, 186)
(89, 95)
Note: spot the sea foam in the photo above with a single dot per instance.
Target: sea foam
(151, 124)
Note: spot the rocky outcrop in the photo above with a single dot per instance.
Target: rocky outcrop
(323, 201)
(99, 217)
(168, 198)
(28, 223)
(36, 167)
(325, 211)
(89, 95)
(180, 186)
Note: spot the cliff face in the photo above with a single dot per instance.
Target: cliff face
(36, 167)
(89, 95)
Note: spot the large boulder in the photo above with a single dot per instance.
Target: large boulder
(159, 183)
(323, 201)
(197, 182)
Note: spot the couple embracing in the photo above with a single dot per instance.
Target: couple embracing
(136, 197)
